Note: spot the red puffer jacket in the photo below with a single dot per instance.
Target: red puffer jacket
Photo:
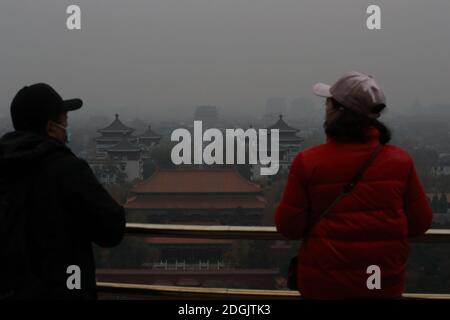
(370, 226)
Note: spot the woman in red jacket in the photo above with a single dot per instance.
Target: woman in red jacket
(368, 229)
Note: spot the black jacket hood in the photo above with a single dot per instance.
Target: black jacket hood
(22, 151)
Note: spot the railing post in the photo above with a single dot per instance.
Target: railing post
(201, 265)
(181, 265)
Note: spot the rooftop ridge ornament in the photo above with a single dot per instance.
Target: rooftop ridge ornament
(116, 126)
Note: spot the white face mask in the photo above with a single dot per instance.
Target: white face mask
(67, 131)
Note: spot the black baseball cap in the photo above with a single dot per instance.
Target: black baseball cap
(34, 105)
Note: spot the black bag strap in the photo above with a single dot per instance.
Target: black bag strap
(346, 189)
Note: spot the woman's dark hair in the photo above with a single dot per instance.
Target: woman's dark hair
(350, 126)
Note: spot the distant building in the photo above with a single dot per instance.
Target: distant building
(198, 197)
(443, 165)
(440, 203)
(289, 145)
(148, 140)
(204, 196)
(119, 154)
(112, 135)
(131, 155)
(109, 171)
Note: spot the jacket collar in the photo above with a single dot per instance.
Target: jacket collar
(372, 133)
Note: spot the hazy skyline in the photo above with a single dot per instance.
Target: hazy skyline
(156, 55)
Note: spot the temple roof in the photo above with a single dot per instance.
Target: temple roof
(116, 126)
(124, 146)
(196, 181)
(294, 139)
(282, 126)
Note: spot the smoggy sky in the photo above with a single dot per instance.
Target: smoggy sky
(156, 55)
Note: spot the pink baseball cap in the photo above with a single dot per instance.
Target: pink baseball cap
(355, 91)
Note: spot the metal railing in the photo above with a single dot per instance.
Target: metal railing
(232, 232)
(243, 233)
(176, 292)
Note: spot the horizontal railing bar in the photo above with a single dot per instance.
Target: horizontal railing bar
(186, 292)
(159, 290)
(204, 232)
(242, 232)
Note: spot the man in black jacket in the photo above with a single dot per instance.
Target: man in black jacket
(63, 207)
